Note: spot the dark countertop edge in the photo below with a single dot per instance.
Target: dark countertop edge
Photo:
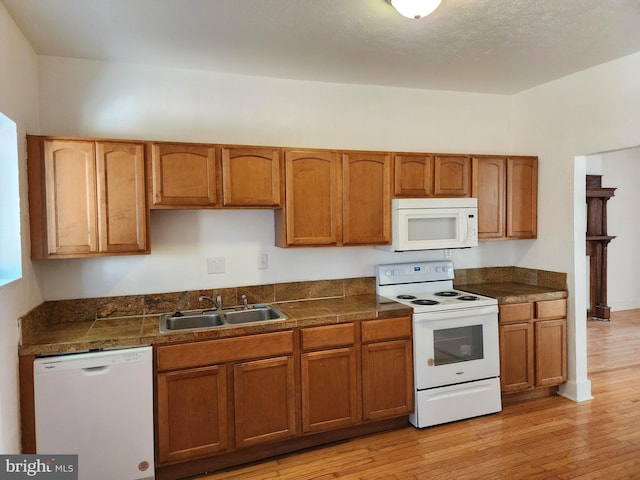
(383, 309)
(515, 292)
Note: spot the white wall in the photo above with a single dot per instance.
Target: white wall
(621, 169)
(592, 111)
(89, 98)
(18, 101)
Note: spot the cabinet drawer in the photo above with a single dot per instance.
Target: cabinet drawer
(386, 329)
(327, 336)
(185, 355)
(551, 309)
(516, 312)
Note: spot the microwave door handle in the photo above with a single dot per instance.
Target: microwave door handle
(465, 229)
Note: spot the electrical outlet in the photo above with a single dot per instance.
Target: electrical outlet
(215, 265)
(263, 261)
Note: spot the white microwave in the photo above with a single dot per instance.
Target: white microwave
(433, 223)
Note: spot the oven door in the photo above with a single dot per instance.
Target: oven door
(456, 346)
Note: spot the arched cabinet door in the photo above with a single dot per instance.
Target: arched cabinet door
(312, 214)
(367, 198)
(70, 176)
(122, 212)
(251, 176)
(183, 175)
(452, 176)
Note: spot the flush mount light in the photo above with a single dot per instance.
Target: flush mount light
(415, 8)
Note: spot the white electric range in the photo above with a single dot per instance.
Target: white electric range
(455, 342)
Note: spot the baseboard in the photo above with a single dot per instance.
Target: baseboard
(576, 391)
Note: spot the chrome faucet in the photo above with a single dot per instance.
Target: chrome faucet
(217, 303)
(245, 303)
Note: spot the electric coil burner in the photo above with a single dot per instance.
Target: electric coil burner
(455, 342)
(424, 301)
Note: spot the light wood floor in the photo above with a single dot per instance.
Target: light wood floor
(544, 439)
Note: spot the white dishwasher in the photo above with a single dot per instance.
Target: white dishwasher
(98, 405)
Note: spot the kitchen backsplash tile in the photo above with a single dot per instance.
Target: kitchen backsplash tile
(552, 279)
(524, 275)
(77, 310)
(258, 293)
(169, 302)
(80, 311)
(359, 286)
(314, 289)
(528, 276)
(91, 309)
(123, 306)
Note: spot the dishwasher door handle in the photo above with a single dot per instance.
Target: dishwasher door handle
(96, 370)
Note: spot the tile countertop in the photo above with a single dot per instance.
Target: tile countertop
(513, 292)
(122, 332)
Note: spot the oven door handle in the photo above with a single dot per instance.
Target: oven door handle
(449, 314)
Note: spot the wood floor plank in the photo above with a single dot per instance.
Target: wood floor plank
(545, 439)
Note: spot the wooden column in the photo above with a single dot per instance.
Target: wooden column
(597, 242)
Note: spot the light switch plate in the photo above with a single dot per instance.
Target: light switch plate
(263, 261)
(215, 265)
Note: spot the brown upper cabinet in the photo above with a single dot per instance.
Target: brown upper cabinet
(413, 175)
(507, 192)
(86, 198)
(334, 202)
(313, 207)
(251, 176)
(366, 198)
(183, 175)
(429, 175)
(91, 197)
(522, 197)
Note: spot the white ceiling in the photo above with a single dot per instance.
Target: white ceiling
(493, 46)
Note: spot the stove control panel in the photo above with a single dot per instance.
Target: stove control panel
(431, 271)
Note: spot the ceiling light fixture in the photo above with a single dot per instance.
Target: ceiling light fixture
(415, 8)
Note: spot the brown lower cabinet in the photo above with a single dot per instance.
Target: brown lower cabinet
(192, 413)
(329, 389)
(533, 345)
(229, 401)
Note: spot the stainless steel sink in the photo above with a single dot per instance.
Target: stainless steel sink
(257, 314)
(198, 320)
(172, 322)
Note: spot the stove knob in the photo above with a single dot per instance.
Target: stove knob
(388, 273)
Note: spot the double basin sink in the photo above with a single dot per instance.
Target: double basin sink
(199, 319)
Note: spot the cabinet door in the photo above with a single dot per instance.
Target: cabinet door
(452, 174)
(551, 352)
(122, 212)
(314, 199)
(366, 198)
(184, 175)
(413, 175)
(489, 188)
(329, 389)
(191, 418)
(516, 356)
(70, 178)
(387, 379)
(522, 197)
(250, 176)
(264, 400)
